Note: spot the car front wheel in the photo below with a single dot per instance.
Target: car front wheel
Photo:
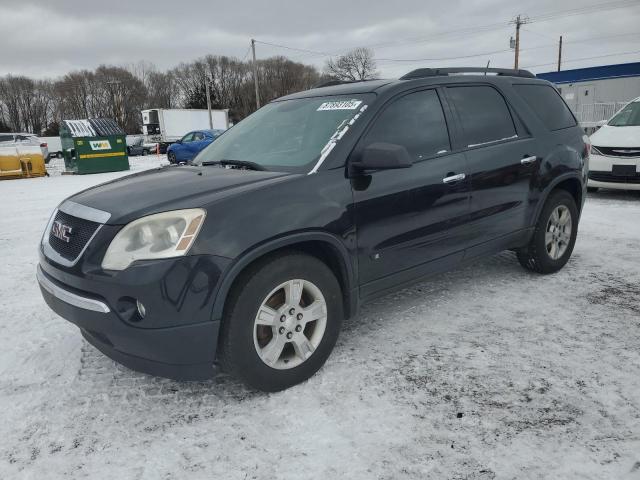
(172, 157)
(281, 321)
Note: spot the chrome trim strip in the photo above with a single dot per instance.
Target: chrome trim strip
(82, 211)
(454, 178)
(69, 297)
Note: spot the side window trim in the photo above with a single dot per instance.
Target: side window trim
(460, 145)
(445, 110)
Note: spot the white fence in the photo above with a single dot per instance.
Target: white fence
(590, 114)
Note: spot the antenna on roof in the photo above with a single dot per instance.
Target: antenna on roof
(485, 71)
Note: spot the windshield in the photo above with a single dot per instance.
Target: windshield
(629, 116)
(288, 135)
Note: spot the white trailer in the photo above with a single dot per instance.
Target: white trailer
(54, 146)
(166, 126)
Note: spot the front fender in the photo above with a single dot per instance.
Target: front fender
(290, 240)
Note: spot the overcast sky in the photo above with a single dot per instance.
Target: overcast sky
(47, 38)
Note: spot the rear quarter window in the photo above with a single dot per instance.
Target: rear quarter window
(483, 113)
(547, 104)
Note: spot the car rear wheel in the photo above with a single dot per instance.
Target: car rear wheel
(554, 236)
(281, 321)
(172, 157)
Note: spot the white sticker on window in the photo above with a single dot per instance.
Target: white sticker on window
(340, 105)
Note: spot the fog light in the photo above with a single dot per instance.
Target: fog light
(141, 310)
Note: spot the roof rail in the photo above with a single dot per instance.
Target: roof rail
(435, 72)
(331, 83)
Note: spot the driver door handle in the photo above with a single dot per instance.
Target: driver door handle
(454, 178)
(528, 160)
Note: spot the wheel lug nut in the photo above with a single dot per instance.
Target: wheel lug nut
(289, 335)
(299, 317)
(292, 311)
(281, 330)
(298, 328)
(283, 318)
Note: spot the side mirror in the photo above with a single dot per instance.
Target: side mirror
(383, 156)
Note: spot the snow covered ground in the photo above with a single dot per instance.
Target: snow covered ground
(485, 372)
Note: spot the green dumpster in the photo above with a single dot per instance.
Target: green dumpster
(94, 145)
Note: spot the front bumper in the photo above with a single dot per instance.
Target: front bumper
(600, 173)
(176, 339)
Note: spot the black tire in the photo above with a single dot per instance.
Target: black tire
(172, 157)
(237, 353)
(59, 155)
(592, 189)
(535, 256)
(145, 152)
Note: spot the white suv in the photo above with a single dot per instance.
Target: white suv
(615, 151)
(24, 139)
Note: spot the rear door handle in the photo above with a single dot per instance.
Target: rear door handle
(454, 178)
(528, 160)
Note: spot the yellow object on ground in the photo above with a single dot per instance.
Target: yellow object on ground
(21, 162)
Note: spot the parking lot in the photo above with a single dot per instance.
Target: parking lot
(485, 372)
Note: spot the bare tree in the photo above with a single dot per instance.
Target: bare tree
(358, 64)
(121, 92)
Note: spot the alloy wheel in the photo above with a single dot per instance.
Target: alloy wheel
(290, 324)
(558, 233)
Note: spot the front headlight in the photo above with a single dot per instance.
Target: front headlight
(163, 235)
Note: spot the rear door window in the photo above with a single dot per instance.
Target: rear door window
(415, 121)
(198, 136)
(483, 113)
(547, 104)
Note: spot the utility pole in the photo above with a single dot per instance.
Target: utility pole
(255, 72)
(206, 87)
(519, 21)
(560, 53)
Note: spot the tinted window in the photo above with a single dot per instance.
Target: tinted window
(548, 105)
(197, 136)
(483, 113)
(6, 138)
(415, 121)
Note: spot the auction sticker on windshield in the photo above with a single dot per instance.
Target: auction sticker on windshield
(340, 105)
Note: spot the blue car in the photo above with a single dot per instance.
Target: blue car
(186, 149)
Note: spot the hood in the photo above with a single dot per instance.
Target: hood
(624, 137)
(171, 188)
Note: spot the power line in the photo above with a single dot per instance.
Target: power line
(441, 58)
(246, 53)
(312, 52)
(584, 10)
(495, 52)
(465, 31)
(585, 58)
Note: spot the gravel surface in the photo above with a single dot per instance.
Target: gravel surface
(487, 372)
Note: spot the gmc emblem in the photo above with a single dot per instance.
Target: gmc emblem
(61, 231)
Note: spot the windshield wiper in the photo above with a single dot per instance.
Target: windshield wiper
(237, 163)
